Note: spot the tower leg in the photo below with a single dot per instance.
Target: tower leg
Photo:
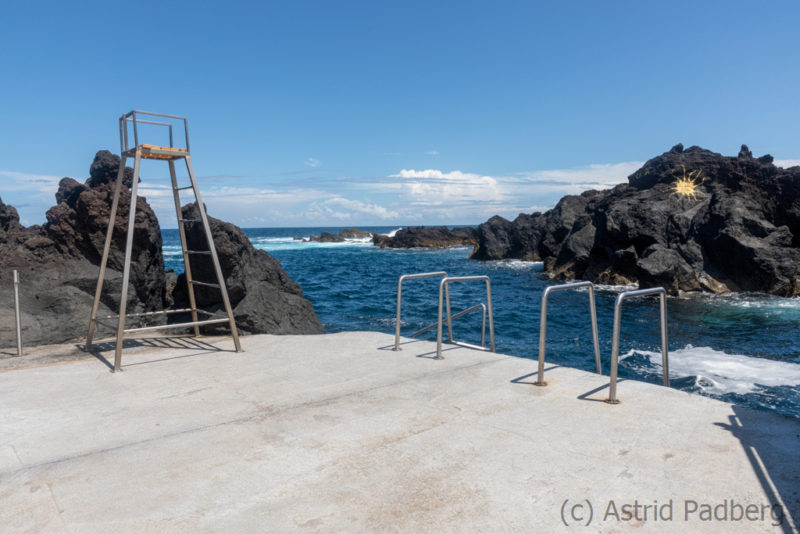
(109, 233)
(184, 246)
(220, 279)
(126, 271)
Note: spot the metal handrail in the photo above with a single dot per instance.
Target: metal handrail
(444, 290)
(543, 326)
(612, 397)
(400, 300)
(480, 306)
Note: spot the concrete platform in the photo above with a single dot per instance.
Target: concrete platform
(338, 433)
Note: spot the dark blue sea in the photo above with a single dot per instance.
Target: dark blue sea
(743, 349)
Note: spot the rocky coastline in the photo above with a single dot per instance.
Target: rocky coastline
(689, 220)
(59, 262)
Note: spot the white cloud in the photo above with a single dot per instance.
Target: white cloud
(786, 163)
(313, 162)
(410, 196)
(432, 153)
(344, 209)
(578, 179)
(22, 181)
(438, 187)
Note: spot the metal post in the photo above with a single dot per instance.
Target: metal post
(16, 313)
(543, 326)
(664, 345)
(112, 217)
(439, 322)
(612, 390)
(126, 270)
(491, 313)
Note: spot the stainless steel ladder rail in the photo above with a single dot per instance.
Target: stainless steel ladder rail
(444, 290)
(400, 281)
(170, 154)
(480, 306)
(543, 325)
(612, 396)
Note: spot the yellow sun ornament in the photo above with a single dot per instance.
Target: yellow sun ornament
(687, 185)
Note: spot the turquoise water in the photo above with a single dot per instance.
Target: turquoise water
(743, 349)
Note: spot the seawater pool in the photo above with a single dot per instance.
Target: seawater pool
(739, 348)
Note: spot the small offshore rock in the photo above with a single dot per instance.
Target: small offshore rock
(427, 237)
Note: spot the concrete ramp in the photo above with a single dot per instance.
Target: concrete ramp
(338, 433)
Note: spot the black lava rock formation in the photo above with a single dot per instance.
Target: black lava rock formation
(58, 262)
(263, 297)
(689, 220)
(427, 237)
(341, 237)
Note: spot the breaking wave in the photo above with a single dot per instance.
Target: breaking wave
(716, 372)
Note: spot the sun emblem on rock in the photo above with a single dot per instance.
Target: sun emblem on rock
(687, 185)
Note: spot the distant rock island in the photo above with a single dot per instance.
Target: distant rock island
(689, 220)
(427, 237)
(412, 237)
(340, 237)
(59, 261)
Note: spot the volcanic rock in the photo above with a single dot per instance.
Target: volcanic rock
(341, 236)
(263, 297)
(327, 237)
(688, 220)
(58, 265)
(58, 262)
(427, 237)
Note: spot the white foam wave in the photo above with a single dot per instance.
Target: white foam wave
(719, 372)
(518, 265)
(265, 240)
(758, 302)
(288, 243)
(616, 288)
(393, 232)
(359, 240)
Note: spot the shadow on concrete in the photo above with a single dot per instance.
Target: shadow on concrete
(391, 347)
(521, 379)
(432, 354)
(165, 342)
(427, 355)
(586, 396)
(772, 444)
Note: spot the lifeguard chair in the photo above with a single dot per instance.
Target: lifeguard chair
(170, 154)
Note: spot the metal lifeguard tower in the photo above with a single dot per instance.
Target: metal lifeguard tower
(169, 154)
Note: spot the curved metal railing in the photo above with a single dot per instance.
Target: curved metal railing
(543, 325)
(400, 281)
(612, 396)
(444, 291)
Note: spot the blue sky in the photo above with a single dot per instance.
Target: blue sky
(392, 113)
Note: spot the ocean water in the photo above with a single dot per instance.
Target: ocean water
(741, 348)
